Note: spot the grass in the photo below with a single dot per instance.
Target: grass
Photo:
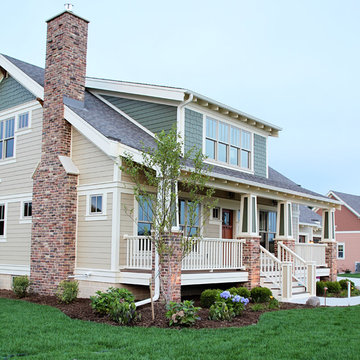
(34, 331)
(353, 275)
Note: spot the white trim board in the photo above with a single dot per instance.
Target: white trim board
(343, 203)
(10, 269)
(22, 78)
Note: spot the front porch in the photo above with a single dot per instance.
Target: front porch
(217, 261)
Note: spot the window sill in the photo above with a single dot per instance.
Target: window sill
(23, 131)
(6, 162)
(228, 166)
(3, 240)
(25, 221)
(215, 222)
(95, 217)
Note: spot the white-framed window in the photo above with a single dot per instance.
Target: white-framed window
(184, 214)
(215, 213)
(341, 251)
(96, 206)
(145, 216)
(23, 121)
(25, 211)
(7, 138)
(2, 221)
(229, 144)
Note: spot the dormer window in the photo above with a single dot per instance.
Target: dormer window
(229, 144)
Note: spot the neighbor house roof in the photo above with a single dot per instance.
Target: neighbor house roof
(115, 126)
(352, 202)
(308, 216)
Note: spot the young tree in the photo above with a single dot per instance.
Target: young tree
(165, 171)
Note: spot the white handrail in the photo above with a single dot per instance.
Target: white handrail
(299, 268)
(206, 254)
(270, 267)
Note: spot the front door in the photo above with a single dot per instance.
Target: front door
(227, 224)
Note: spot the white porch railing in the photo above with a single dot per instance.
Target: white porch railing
(138, 252)
(207, 254)
(270, 267)
(215, 254)
(299, 265)
(312, 252)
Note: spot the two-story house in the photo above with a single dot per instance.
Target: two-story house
(63, 198)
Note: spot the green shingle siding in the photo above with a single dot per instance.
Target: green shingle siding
(155, 117)
(260, 155)
(193, 129)
(13, 94)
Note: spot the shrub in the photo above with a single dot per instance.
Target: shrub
(273, 303)
(347, 271)
(117, 303)
(209, 296)
(67, 291)
(344, 285)
(257, 307)
(333, 287)
(183, 313)
(242, 291)
(227, 307)
(320, 288)
(260, 295)
(21, 285)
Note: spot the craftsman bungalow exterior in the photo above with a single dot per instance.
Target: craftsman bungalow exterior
(63, 197)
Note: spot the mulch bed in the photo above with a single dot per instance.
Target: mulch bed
(81, 309)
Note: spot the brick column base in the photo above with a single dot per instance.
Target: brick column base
(170, 269)
(290, 243)
(331, 258)
(251, 260)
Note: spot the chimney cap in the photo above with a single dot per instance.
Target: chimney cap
(68, 10)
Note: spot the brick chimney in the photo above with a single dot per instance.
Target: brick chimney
(53, 236)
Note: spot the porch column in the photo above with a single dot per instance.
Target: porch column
(328, 237)
(284, 228)
(249, 231)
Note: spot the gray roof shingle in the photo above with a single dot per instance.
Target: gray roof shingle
(307, 216)
(351, 200)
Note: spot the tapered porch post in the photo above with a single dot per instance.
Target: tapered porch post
(284, 226)
(328, 237)
(250, 232)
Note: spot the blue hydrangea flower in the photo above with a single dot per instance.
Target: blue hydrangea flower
(225, 295)
(236, 298)
(245, 301)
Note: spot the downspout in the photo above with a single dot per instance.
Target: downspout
(157, 284)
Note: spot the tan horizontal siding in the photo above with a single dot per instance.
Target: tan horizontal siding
(212, 230)
(16, 178)
(16, 250)
(126, 224)
(93, 164)
(94, 238)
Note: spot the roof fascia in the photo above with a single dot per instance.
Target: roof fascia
(109, 147)
(135, 88)
(343, 203)
(22, 78)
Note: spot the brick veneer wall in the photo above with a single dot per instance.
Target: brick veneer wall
(331, 259)
(251, 260)
(170, 270)
(54, 191)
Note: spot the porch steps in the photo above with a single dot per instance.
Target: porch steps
(298, 291)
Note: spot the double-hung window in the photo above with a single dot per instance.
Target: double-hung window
(189, 217)
(96, 204)
(23, 121)
(27, 211)
(7, 130)
(2, 220)
(229, 144)
(341, 251)
(145, 216)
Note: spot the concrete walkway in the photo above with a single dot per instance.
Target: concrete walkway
(331, 301)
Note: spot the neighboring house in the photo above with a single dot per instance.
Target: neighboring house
(347, 230)
(63, 198)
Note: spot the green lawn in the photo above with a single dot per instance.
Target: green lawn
(353, 275)
(30, 331)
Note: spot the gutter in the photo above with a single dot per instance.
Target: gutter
(157, 285)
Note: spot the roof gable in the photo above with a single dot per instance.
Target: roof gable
(352, 202)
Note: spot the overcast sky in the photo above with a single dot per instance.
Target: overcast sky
(292, 63)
